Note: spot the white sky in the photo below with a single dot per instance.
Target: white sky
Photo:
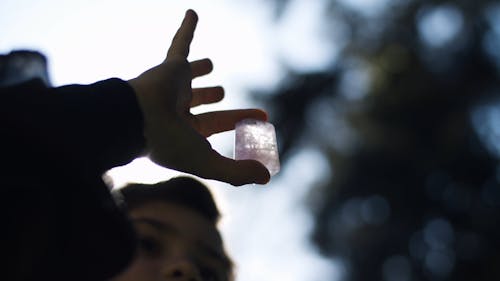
(265, 228)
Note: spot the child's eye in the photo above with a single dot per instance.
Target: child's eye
(150, 246)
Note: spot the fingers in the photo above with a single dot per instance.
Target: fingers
(206, 96)
(201, 67)
(182, 39)
(215, 122)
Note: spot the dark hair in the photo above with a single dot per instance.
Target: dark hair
(185, 191)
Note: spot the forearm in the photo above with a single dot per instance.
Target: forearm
(107, 123)
(98, 125)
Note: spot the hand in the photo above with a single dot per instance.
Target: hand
(176, 138)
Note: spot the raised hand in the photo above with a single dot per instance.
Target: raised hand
(176, 138)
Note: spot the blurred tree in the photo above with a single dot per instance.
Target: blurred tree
(409, 120)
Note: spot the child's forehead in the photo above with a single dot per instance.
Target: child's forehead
(179, 220)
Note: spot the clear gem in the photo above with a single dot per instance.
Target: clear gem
(255, 139)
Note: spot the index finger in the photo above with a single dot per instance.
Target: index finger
(214, 122)
(183, 37)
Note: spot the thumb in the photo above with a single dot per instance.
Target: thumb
(238, 172)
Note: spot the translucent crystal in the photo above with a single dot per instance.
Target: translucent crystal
(256, 140)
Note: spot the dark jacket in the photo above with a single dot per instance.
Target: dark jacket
(59, 220)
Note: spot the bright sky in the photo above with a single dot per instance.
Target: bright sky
(265, 228)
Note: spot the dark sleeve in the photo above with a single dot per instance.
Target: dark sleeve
(99, 124)
(62, 221)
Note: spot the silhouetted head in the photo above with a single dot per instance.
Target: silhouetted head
(22, 65)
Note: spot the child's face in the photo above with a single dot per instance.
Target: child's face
(176, 243)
